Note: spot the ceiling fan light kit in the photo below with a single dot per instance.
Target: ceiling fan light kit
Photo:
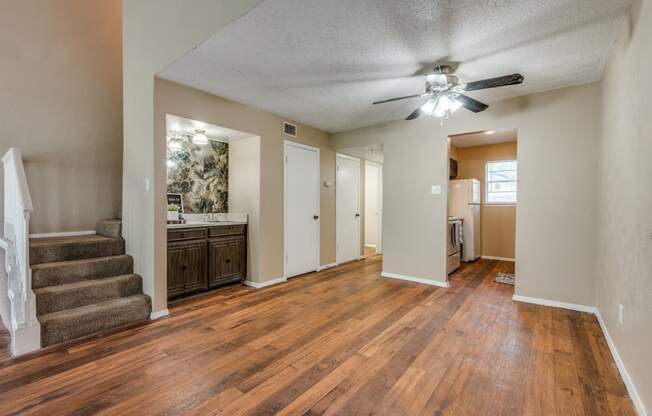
(444, 94)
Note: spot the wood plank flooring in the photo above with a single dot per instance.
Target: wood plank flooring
(340, 342)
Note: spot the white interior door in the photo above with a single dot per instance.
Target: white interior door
(372, 204)
(301, 209)
(347, 198)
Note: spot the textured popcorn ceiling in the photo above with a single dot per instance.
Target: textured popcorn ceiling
(322, 63)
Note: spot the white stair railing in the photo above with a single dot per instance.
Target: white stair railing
(25, 328)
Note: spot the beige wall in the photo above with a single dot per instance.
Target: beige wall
(624, 200)
(61, 83)
(155, 33)
(498, 221)
(555, 231)
(244, 193)
(177, 99)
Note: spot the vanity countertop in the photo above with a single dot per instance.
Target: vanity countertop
(200, 224)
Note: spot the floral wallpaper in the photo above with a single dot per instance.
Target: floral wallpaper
(200, 173)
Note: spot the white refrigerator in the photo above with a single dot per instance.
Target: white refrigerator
(464, 203)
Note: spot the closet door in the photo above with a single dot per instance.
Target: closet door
(301, 209)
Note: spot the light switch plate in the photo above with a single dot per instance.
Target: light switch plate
(436, 189)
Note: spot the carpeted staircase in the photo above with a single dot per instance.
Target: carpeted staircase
(85, 284)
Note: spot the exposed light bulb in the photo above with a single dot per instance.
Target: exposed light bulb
(428, 107)
(442, 107)
(200, 138)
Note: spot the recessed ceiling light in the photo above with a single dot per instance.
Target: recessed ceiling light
(489, 132)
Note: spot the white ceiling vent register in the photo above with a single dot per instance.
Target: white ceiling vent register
(289, 129)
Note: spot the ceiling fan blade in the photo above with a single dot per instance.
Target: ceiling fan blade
(416, 113)
(471, 104)
(512, 79)
(398, 98)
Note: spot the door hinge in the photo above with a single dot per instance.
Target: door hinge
(286, 159)
(286, 258)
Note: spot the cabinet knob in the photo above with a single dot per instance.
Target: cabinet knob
(184, 267)
(228, 261)
(183, 235)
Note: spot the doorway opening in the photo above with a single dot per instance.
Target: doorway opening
(370, 160)
(373, 202)
(482, 201)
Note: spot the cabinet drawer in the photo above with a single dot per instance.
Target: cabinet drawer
(226, 230)
(186, 234)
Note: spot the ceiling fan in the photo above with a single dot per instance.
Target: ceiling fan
(444, 94)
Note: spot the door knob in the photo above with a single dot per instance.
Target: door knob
(315, 217)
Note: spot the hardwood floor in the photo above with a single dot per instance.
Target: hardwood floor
(339, 342)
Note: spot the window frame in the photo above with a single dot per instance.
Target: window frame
(487, 182)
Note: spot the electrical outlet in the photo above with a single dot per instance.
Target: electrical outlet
(621, 314)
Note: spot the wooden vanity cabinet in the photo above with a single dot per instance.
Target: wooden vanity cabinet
(200, 259)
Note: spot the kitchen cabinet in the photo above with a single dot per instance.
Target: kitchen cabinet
(201, 259)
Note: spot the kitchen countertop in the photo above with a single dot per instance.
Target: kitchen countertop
(200, 224)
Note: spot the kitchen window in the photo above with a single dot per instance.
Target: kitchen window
(500, 176)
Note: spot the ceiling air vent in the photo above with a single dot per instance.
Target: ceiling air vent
(289, 129)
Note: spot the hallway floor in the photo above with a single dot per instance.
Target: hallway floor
(343, 341)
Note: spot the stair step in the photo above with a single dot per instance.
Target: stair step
(109, 228)
(58, 273)
(73, 295)
(57, 249)
(69, 324)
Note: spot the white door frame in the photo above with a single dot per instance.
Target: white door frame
(379, 244)
(358, 233)
(318, 204)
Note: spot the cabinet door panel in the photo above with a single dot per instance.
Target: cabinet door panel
(186, 267)
(195, 273)
(226, 259)
(176, 260)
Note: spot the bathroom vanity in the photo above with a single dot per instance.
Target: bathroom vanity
(205, 255)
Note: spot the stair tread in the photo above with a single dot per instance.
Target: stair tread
(77, 239)
(105, 281)
(87, 309)
(76, 262)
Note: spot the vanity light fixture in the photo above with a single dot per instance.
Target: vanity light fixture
(199, 138)
(174, 142)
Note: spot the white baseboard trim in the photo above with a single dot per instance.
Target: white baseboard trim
(498, 258)
(326, 266)
(261, 285)
(63, 234)
(414, 279)
(629, 383)
(554, 304)
(159, 314)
